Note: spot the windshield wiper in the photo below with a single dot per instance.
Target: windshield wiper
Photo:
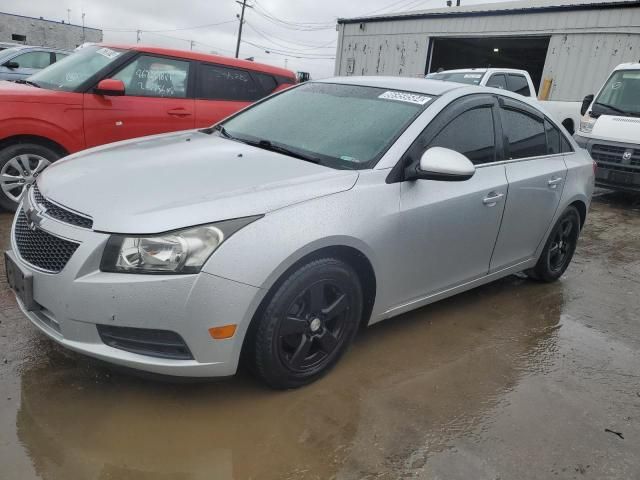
(611, 107)
(27, 82)
(268, 145)
(218, 128)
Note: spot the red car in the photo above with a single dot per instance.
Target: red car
(106, 93)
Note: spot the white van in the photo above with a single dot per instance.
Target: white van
(610, 129)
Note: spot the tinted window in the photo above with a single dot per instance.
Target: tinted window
(566, 146)
(36, 60)
(525, 134)
(149, 76)
(471, 134)
(519, 84)
(60, 56)
(497, 81)
(553, 138)
(223, 83)
(267, 82)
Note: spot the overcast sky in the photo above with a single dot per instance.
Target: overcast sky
(287, 28)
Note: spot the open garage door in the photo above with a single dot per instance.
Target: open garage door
(524, 53)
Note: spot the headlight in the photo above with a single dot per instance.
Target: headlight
(587, 123)
(182, 251)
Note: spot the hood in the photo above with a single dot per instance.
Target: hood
(617, 129)
(20, 92)
(178, 180)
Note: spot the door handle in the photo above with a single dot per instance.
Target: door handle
(492, 199)
(179, 112)
(554, 182)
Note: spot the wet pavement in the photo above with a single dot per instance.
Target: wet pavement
(514, 380)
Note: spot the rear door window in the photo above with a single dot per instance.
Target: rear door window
(216, 82)
(554, 144)
(497, 80)
(518, 84)
(525, 134)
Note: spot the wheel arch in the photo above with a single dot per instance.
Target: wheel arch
(353, 256)
(44, 141)
(582, 210)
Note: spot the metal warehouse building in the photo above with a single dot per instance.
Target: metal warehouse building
(571, 46)
(45, 33)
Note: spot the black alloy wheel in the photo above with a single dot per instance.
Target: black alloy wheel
(559, 249)
(308, 323)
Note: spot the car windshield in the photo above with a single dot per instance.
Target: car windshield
(71, 71)
(620, 95)
(470, 78)
(339, 126)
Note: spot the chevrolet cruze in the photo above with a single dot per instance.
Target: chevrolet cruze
(274, 235)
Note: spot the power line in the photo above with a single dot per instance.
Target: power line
(289, 47)
(208, 25)
(289, 53)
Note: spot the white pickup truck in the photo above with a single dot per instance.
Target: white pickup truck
(610, 129)
(519, 81)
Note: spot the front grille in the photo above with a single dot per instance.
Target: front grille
(611, 157)
(59, 213)
(41, 249)
(144, 341)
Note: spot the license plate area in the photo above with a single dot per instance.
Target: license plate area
(20, 281)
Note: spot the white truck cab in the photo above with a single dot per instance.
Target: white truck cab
(610, 129)
(510, 79)
(518, 81)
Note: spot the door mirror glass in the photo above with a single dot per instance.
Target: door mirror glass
(111, 87)
(586, 103)
(11, 64)
(444, 164)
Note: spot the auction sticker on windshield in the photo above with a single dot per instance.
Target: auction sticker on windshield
(107, 52)
(405, 97)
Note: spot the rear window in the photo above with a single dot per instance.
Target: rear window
(469, 78)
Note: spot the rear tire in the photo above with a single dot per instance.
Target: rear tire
(559, 249)
(307, 324)
(20, 165)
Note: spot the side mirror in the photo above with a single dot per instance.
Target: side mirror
(443, 164)
(586, 103)
(11, 64)
(111, 87)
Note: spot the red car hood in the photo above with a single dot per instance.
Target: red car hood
(19, 92)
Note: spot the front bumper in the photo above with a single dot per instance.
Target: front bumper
(71, 303)
(618, 163)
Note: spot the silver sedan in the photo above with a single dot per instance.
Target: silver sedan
(275, 235)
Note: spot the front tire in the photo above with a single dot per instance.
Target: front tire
(20, 164)
(308, 324)
(559, 249)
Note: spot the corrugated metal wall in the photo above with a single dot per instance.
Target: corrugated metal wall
(585, 44)
(579, 64)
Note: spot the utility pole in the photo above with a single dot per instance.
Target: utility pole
(68, 15)
(83, 36)
(138, 34)
(192, 43)
(244, 5)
